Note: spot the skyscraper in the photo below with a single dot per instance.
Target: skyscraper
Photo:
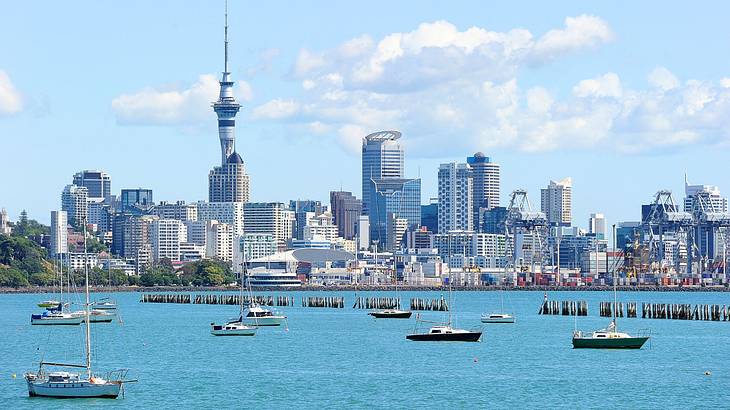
(228, 182)
(455, 198)
(597, 225)
(59, 233)
(711, 192)
(302, 208)
(345, 209)
(556, 202)
(98, 184)
(398, 196)
(382, 158)
(486, 183)
(135, 200)
(74, 202)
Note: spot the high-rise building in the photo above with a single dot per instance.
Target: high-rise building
(196, 232)
(219, 240)
(253, 246)
(493, 220)
(136, 200)
(302, 208)
(430, 215)
(399, 196)
(597, 225)
(556, 202)
(396, 231)
(73, 201)
(363, 231)
(166, 235)
(228, 182)
(486, 183)
(98, 184)
(382, 158)
(711, 193)
(231, 213)
(455, 198)
(4, 222)
(345, 209)
(320, 227)
(272, 218)
(59, 233)
(131, 238)
(178, 210)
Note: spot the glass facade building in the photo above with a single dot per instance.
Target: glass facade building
(382, 158)
(397, 196)
(136, 198)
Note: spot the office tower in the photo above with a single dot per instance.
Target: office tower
(166, 235)
(73, 201)
(136, 200)
(382, 158)
(430, 215)
(231, 213)
(302, 208)
(131, 238)
(556, 202)
(178, 210)
(396, 230)
(98, 184)
(59, 233)
(363, 232)
(486, 183)
(597, 225)
(493, 220)
(229, 181)
(399, 196)
(4, 222)
(272, 218)
(710, 192)
(219, 240)
(345, 209)
(455, 210)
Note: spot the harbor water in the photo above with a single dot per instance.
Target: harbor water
(341, 357)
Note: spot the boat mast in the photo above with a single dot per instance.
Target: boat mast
(86, 307)
(615, 293)
(448, 266)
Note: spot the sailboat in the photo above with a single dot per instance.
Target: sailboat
(235, 327)
(394, 313)
(499, 317)
(444, 332)
(610, 337)
(63, 384)
(55, 313)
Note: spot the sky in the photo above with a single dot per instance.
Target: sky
(625, 97)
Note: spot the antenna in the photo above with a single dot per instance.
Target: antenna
(225, 65)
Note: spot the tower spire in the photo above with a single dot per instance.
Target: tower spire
(225, 64)
(226, 107)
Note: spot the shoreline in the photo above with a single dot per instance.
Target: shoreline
(373, 288)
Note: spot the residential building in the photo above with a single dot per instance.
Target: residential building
(345, 209)
(75, 260)
(455, 210)
(178, 210)
(97, 183)
(597, 225)
(196, 232)
(254, 246)
(272, 218)
(219, 239)
(229, 182)
(74, 202)
(302, 209)
(231, 213)
(320, 226)
(135, 200)
(556, 202)
(382, 158)
(190, 252)
(59, 233)
(485, 176)
(166, 235)
(401, 197)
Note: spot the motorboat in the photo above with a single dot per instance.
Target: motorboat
(48, 303)
(260, 316)
(446, 333)
(609, 338)
(498, 318)
(391, 314)
(55, 317)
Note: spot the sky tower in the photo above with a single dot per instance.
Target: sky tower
(226, 107)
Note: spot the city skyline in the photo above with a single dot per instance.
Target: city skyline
(174, 166)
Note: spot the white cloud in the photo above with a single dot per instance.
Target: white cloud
(663, 79)
(277, 109)
(170, 106)
(607, 85)
(10, 100)
(579, 33)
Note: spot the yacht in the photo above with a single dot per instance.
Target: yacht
(261, 316)
(96, 316)
(61, 384)
(104, 305)
(446, 333)
(55, 317)
(498, 318)
(391, 314)
(235, 327)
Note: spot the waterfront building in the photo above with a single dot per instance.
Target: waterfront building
(97, 183)
(254, 246)
(320, 226)
(231, 213)
(556, 202)
(382, 158)
(74, 202)
(302, 209)
(178, 210)
(190, 252)
(492, 248)
(399, 196)
(219, 239)
(4, 223)
(271, 218)
(229, 181)
(486, 183)
(59, 233)
(597, 225)
(131, 238)
(166, 235)
(75, 260)
(136, 200)
(455, 210)
(345, 209)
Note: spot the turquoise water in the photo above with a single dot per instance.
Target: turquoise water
(343, 358)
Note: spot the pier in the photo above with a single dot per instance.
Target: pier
(439, 304)
(216, 299)
(376, 303)
(564, 308)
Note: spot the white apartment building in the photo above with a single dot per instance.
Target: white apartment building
(59, 233)
(455, 206)
(556, 202)
(166, 236)
(219, 240)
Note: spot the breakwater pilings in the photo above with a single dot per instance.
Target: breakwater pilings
(376, 303)
(215, 299)
(429, 304)
(605, 309)
(677, 311)
(164, 298)
(337, 302)
(564, 308)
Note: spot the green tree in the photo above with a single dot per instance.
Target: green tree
(12, 277)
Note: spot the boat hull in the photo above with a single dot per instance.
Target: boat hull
(79, 389)
(391, 315)
(610, 343)
(66, 321)
(446, 337)
(264, 321)
(498, 320)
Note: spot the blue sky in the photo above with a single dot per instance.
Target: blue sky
(624, 97)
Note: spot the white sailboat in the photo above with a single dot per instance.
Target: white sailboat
(498, 317)
(235, 327)
(255, 314)
(55, 313)
(86, 384)
(396, 312)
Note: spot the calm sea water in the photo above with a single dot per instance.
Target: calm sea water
(343, 358)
